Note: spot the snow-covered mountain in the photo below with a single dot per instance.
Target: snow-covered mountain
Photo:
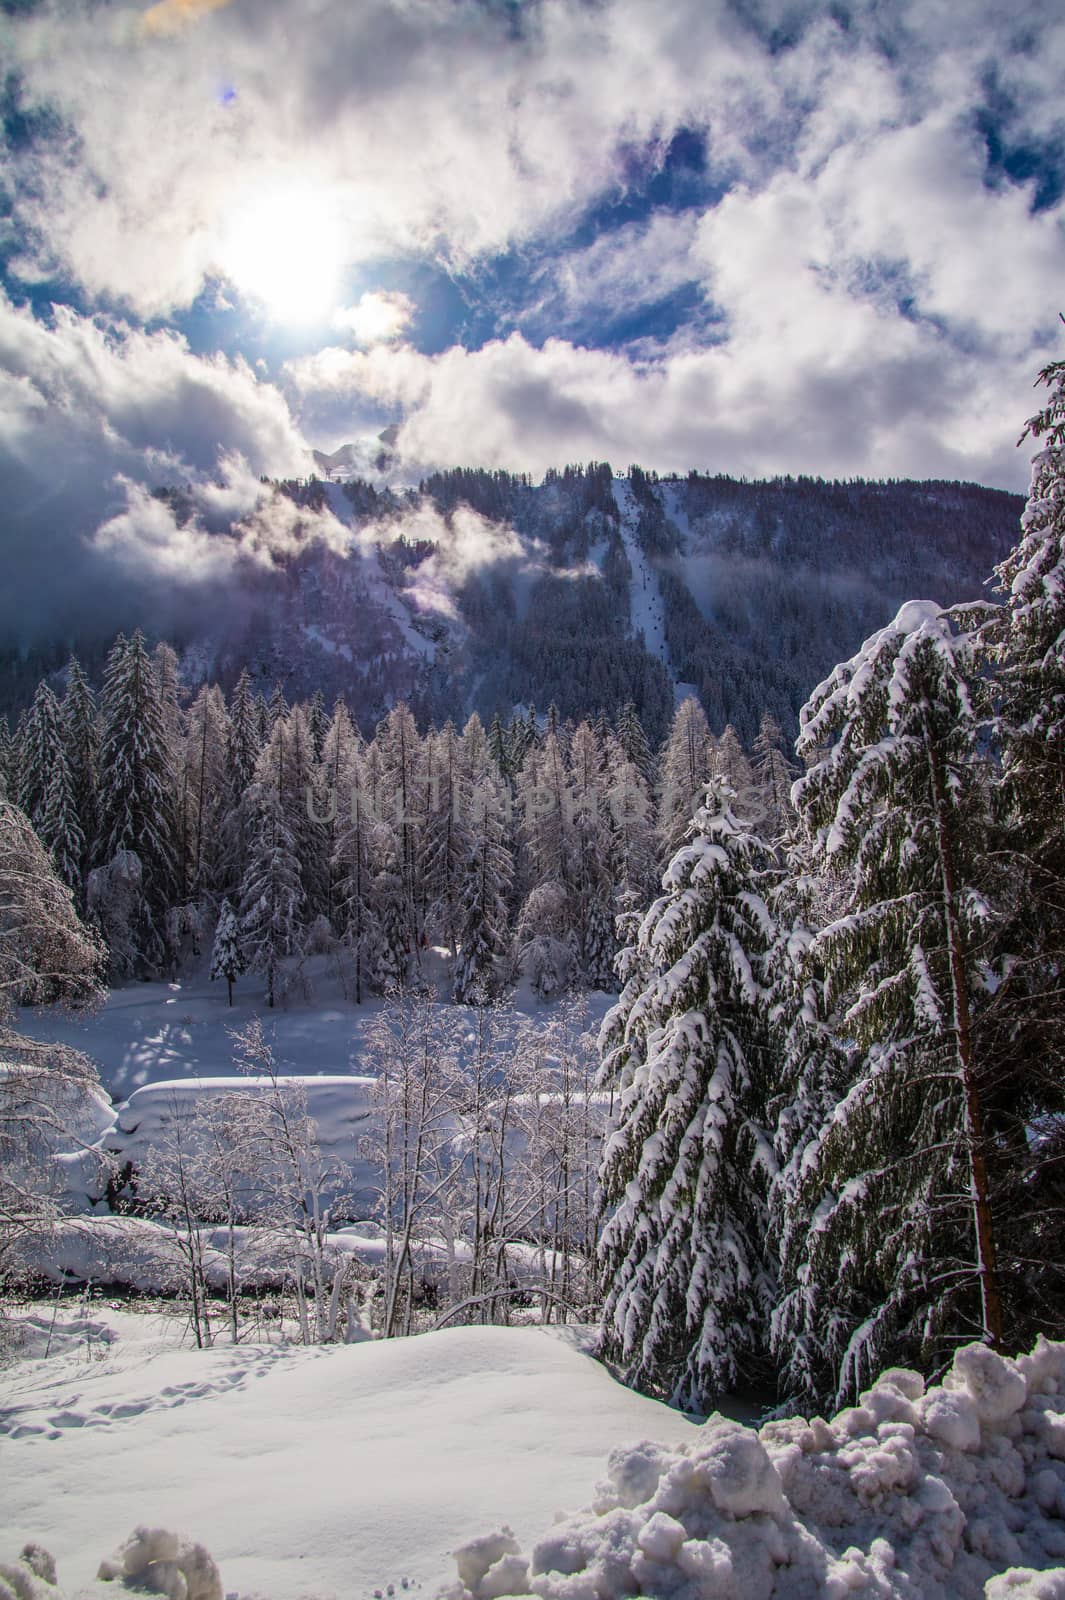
(482, 590)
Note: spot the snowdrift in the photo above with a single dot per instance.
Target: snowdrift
(330, 1473)
(957, 1492)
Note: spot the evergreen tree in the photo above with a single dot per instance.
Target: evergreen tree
(271, 894)
(353, 868)
(318, 723)
(684, 770)
(402, 799)
(895, 814)
(204, 793)
(81, 737)
(58, 827)
(41, 747)
(278, 708)
(811, 1316)
(1022, 1027)
(446, 840)
(592, 887)
(499, 749)
(773, 776)
(482, 923)
(137, 784)
(227, 960)
(244, 740)
(687, 1166)
(633, 742)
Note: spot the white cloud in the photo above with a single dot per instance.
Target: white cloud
(379, 317)
(92, 414)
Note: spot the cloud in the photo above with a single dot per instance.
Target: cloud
(379, 317)
(431, 130)
(868, 300)
(92, 415)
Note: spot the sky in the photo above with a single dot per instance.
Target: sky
(746, 236)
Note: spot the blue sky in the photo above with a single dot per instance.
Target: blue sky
(750, 237)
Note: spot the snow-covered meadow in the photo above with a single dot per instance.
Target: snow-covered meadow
(389, 1467)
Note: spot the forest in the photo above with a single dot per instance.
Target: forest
(829, 1086)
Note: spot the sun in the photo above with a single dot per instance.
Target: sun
(283, 246)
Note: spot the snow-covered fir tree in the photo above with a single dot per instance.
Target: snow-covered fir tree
(136, 795)
(58, 827)
(271, 893)
(227, 960)
(773, 775)
(482, 921)
(446, 840)
(895, 817)
(81, 737)
(41, 746)
(687, 1167)
(684, 770)
(1022, 1028)
(353, 868)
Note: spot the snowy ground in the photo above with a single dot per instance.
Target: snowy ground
(148, 1033)
(306, 1472)
(332, 1473)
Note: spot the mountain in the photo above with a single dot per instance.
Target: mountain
(483, 590)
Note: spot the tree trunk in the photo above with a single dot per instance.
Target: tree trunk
(986, 1255)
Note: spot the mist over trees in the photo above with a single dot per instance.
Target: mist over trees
(480, 591)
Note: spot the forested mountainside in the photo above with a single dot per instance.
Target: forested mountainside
(482, 591)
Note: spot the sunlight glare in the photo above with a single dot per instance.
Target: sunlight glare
(284, 248)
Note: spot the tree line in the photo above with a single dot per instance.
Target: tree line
(281, 829)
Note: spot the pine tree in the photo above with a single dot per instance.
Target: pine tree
(278, 708)
(242, 752)
(446, 841)
(592, 886)
(137, 784)
(81, 737)
(1022, 1028)
(41, 747)
(204, 793)
(684, 770)
(895, 814)
(58, 827)
(317, 723)
(226, 959)
(402, 799)
(499, 749)
(773, 776)
(687, 1166)
(633, 741)
(812, 1319)
(482, 923)
(353, 867)
(271, 894)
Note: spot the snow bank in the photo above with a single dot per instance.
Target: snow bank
(957, 1493)
(152, 1560)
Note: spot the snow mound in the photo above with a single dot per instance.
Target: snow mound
(152, 1561)
(31, 1577)
(166, 1564)
(957, 1493)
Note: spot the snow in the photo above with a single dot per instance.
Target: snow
(646, 609)
(335, 1472)
(341, 1108)
(957, 1494)
(324, 1472)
